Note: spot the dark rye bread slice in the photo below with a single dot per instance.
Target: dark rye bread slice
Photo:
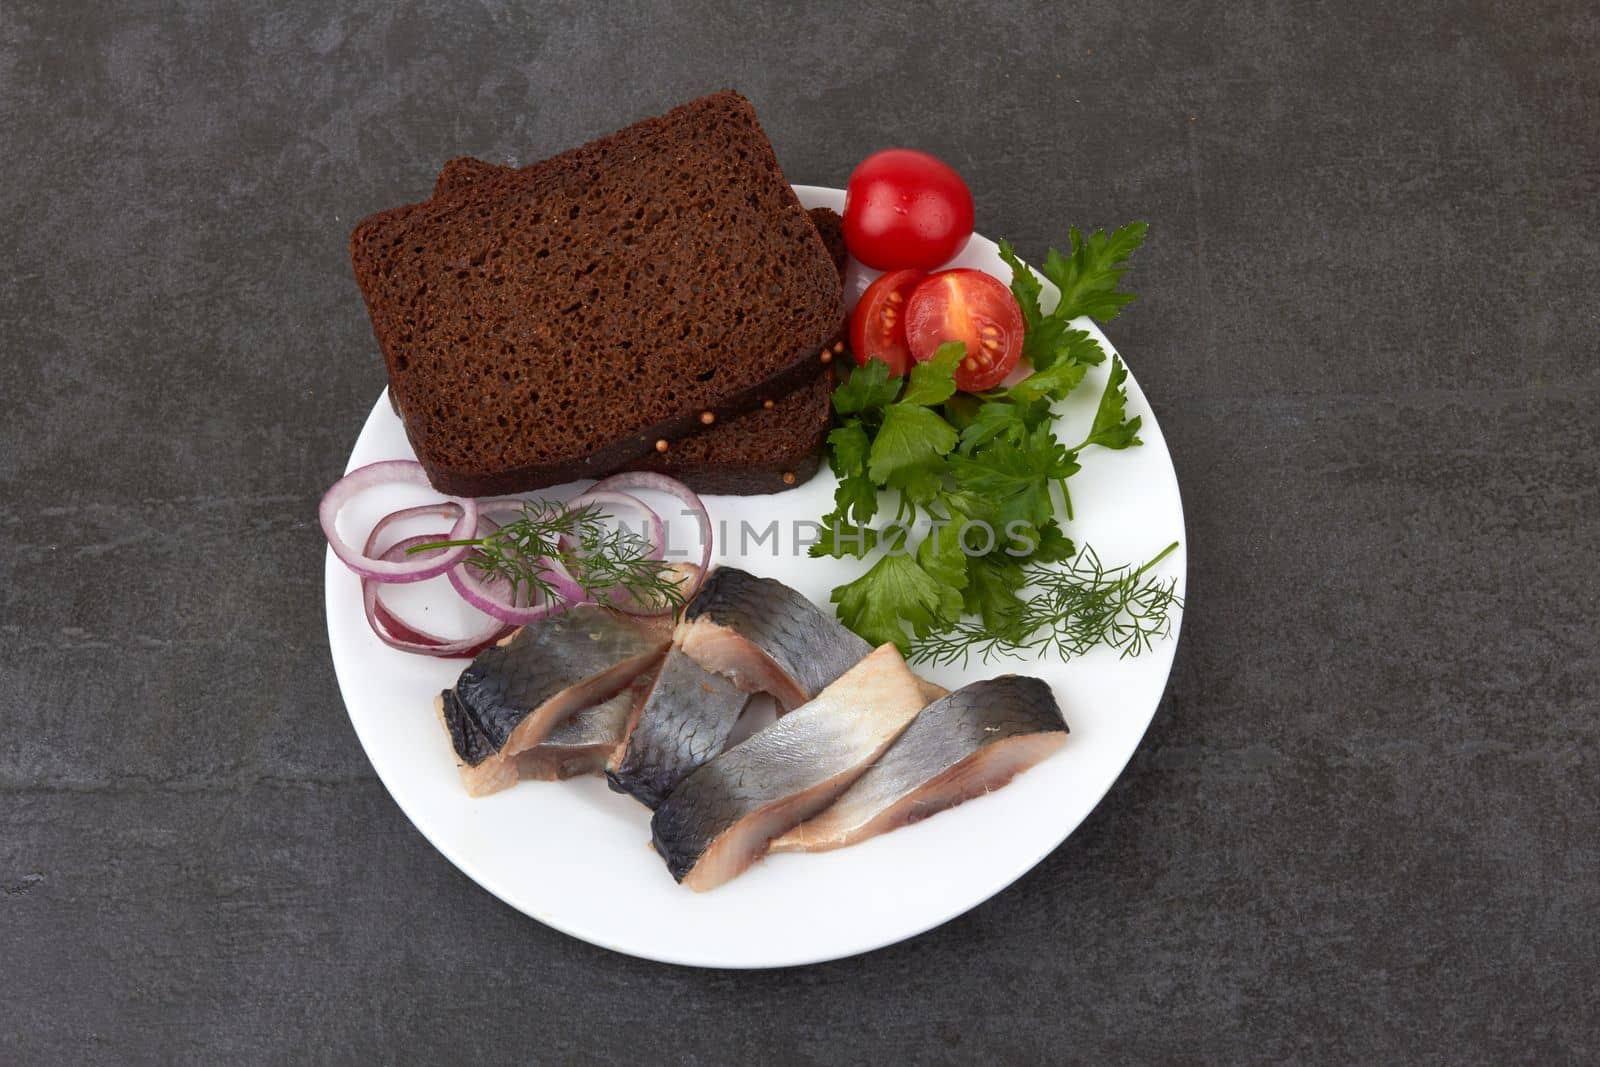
(830, 227)
(767, 450)
(463, 171)
(556, 321)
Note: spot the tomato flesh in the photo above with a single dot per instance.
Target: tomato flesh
(905, 209)
(878, 324)
(971, 307)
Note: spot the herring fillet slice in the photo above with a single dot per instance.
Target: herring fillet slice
(513, 695)
(685, 721)
(483, 770)
(580, 745)
(719, 820)
(583, 743)
(963, 745)
(766, 637)
(519, 691)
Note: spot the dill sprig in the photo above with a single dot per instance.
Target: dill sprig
(1075, 607)
(613, 566)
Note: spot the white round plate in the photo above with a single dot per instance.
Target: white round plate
(576, 856)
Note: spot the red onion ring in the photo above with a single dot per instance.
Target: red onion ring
(657, 535)
(445, 509)
(660, 483)
(397, 471)
(495, 596)
(394, 631)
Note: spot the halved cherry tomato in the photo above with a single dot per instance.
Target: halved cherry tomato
(878, 325)
(904, 209)
(974, 308)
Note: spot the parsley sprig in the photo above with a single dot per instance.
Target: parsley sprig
(990, 461)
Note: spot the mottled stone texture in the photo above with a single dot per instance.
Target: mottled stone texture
(1364, 825)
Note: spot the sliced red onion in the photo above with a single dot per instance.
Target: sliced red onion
(395, 631)
(495, 505)
(415, 569)
(660, 483)
(495, 596)
(445, 509)
(608, 499)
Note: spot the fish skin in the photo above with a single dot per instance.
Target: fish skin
(766, 637)
(967, 743)
(516, 693)
(684, 722)
(483, 770)
(718, 821)
(470, 745)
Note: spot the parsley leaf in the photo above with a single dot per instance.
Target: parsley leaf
(941, 555)
(839, 538)
(1053, 546)
(896, 591)
(1087, 282)
(847, 448)
(1055, 383)
(1024, 286)
(1037, 544)
(1088, 278)
(866, 389)
(991, 592)
(847, 454)
(961, 409)
(1015, 479)
(1042, 347)
(1079, 347)
(999, 418)
(856, 497)
(922, 485)
(934, 382)
(1112, 428)
(995, 419)
(910, 438)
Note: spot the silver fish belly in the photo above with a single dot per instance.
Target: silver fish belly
(583, 743)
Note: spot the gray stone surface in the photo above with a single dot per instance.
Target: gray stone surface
(1363, 826)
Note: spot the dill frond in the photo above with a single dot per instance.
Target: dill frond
(1074, 607)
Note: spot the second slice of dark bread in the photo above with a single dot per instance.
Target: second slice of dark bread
(830, 227)
(556, 321)
(766, 450)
